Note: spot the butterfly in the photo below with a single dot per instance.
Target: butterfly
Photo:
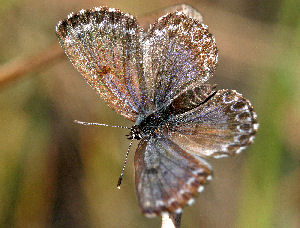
(158, 79)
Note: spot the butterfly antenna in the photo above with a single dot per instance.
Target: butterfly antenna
(97, 124)
(124, 165)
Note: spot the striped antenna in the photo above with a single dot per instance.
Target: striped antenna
(98, 124)
(124, 165)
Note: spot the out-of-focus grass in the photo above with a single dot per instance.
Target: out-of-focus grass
(264, 168)
(25, 131)
(4, 5)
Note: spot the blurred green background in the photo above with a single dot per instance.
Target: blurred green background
(57, 174)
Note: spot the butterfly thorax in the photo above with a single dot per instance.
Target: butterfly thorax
(149, 126)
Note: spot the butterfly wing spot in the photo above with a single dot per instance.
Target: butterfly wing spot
(103, 71)
(240, 149)
(82, 11)
(112, 10)
(198, 172)
(152, 171)
(58, 25)
(242, 139)
(182, 192)
(254, 115)
(239, 106)
(243, 117)
(228, 99)
(159, 203)
(191, 202)
(171, 201)
(201, 188)
(190, 181)
(245, 128)
(221, 156)
(209, 178)
(178, 210)
(70, 15)
(251, 139)
(150, 215)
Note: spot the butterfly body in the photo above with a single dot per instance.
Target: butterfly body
(157, 122)
(150, 125)
(158, 80)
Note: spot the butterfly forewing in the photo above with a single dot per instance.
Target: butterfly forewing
(103, 45)
(178, 52)
(166, 177)
(224, 125)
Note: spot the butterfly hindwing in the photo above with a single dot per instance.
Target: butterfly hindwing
(223, 125)
(192, 98)
(166, 177)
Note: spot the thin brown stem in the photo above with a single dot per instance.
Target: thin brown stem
(18, 68)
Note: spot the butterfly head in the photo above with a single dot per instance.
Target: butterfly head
(135, 133)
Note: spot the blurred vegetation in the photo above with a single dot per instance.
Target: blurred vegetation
(56, 174)
(270, 161)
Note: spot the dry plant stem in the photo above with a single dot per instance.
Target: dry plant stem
(18, 68)
(171, 221)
